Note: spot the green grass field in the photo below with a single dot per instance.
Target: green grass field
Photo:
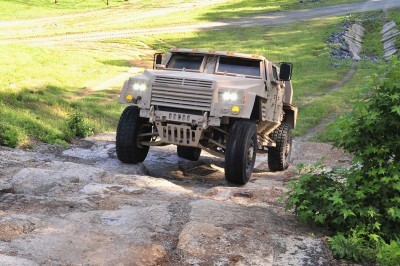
(121, 14)
(300, 43)
(240, 8)
(38, 88)
(12, 9)
(40, 85)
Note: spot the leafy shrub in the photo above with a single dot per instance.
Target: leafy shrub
(8, 136)
(353, 247)
(78, 126)
(389, 254)
(360, 204)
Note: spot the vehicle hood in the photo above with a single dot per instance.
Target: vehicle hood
(218, 81)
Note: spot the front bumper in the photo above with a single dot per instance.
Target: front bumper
(180, 128)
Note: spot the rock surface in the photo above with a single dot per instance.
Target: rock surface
(62, 207)
(389, 36)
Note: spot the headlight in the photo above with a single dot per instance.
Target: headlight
(139, 86)
(230, 96)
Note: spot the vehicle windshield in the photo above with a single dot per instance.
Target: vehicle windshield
(186, 61)
(240, 66)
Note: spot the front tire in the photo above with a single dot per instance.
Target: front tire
(188, 153)
(240, 153)
(279, 156)
(129, 127)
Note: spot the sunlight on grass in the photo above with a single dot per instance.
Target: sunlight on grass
(11, 9)
(132, 14)
(301, 43)
(240, 8)
(40, 86)
(339, 102)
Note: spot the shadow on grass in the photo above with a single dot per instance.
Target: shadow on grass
(302, 43)
(41, 114)
(119, 63)
(245, 8)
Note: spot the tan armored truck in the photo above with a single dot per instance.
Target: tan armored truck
(231, 105)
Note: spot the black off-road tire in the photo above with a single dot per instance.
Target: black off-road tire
(241, 151)
(279, 156)
(188, 153)
(129, 126)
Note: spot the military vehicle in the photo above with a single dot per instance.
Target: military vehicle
(231, 105)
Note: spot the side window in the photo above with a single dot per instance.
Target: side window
(187, 61)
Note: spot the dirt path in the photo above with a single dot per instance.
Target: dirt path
(317, 129)
(251, 21)
(82, 206)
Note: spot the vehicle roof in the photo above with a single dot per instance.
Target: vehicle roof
(214, 52)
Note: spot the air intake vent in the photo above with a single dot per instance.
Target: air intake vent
(192, 94)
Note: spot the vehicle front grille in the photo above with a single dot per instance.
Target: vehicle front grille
(192, 94)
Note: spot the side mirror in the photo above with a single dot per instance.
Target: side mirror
(285, 73)
(157, 59)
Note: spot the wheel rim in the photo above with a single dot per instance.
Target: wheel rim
(287, 151)
(250, 157)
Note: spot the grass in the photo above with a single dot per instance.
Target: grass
(372, 44)
(300, 43)
(240, 8)
(12, 9)
(39, 87)
(18, 9)
(130, 15)
(339, 102)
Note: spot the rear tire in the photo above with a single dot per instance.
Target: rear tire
(129, 127)
(279, 156)
(240, 153)
(188, 153)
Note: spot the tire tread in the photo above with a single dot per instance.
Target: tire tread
(276, 155)
(235, 170)
(126, 139)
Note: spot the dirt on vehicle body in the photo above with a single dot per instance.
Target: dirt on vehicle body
(232, 105)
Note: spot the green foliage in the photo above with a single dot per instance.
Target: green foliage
(352, 247)
(39, 86)
(362, 203)
(8, 136)
(78, 125)
(389, 254)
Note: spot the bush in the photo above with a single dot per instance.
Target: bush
(389, 254)
(9, 136)
(78, 126)
(360, 204)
